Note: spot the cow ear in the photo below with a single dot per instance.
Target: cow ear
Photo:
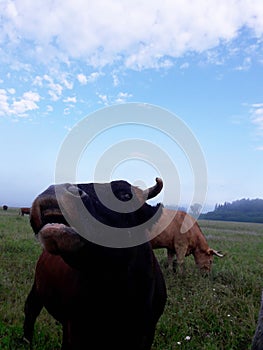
(215, 252)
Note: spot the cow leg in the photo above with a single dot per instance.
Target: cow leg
(170, 258)
(180, 256)
(67, 337)
(33, 306)
(65, 345)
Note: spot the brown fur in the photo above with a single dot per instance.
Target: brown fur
(24, 211)
(182, 236)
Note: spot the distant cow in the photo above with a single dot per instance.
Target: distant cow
(24, 211)
(5, 207)
(257, 342)
(104, 297)
(183, 237)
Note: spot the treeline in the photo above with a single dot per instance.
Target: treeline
(244, 210)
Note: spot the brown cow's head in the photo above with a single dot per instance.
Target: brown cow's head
(204, 258)
(68, 217)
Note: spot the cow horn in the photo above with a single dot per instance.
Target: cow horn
(154, 190)
(217, 253)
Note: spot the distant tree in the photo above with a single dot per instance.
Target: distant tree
(175, 207)
(245, 210)
(5, 207)
(195, 210)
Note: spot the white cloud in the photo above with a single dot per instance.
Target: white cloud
(11, 11)
(55, 89)
(26, 103)
(67, 111)
(245, 65)
(259, 121)
(257, 105)
(82, 79)
(103, 99)
(12, 91)
(68, 84)
(20, 106)
(140, 34)
(4, 105)
(184, 65)
(38, 81)
(122, 97)
(55, 92)
(70, 100)
(116, 80)
(93, 77)
(256, 114)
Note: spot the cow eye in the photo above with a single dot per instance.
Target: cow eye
(127, 196)
(76, 191)
(124, 196)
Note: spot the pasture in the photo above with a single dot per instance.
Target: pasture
(216, 312)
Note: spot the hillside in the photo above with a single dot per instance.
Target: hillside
(243, 210)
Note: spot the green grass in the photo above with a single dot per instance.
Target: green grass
(208, 313)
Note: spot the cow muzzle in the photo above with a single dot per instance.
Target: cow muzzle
(49, 222)
(47, 207)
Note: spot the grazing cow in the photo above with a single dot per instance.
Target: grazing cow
(24, 211)
(104, 297)
(5, 207)
(257, 342)
(182, 236)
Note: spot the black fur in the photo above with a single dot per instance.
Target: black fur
(103, 297)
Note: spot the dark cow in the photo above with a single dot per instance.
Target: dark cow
(104, 297)
(257, 342)
(24, 211)
(5, 207)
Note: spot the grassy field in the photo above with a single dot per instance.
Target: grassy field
(207, 313)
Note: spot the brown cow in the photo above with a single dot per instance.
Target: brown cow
(104, 297)
(24, 211)
(183, 237)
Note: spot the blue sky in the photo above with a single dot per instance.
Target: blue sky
(200, 60)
